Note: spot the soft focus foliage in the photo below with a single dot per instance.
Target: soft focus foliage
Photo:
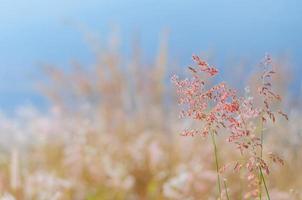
(112, 132)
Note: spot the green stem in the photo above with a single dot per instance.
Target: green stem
(260, 184)
(264, 183)
(261, 153)
(216, 161)
(226, 190)
(261, 176)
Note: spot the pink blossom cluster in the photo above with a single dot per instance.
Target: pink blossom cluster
(215, 106)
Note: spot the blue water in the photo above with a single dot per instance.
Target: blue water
(34, 32)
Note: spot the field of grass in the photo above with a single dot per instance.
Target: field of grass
(113, 132)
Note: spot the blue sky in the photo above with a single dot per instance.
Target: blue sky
(35, 31)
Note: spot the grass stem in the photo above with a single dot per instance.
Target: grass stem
(261, 176)
(226, 189)
(264, 183)
(261, 153)
(216, 162)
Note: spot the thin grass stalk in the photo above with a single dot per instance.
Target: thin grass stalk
(260, 184)
(261, 176)
(216, 162)
(261, 152)
(226, 190)
(264, 183)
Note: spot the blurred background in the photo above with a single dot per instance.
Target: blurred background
(34, 33)
(87, 108)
